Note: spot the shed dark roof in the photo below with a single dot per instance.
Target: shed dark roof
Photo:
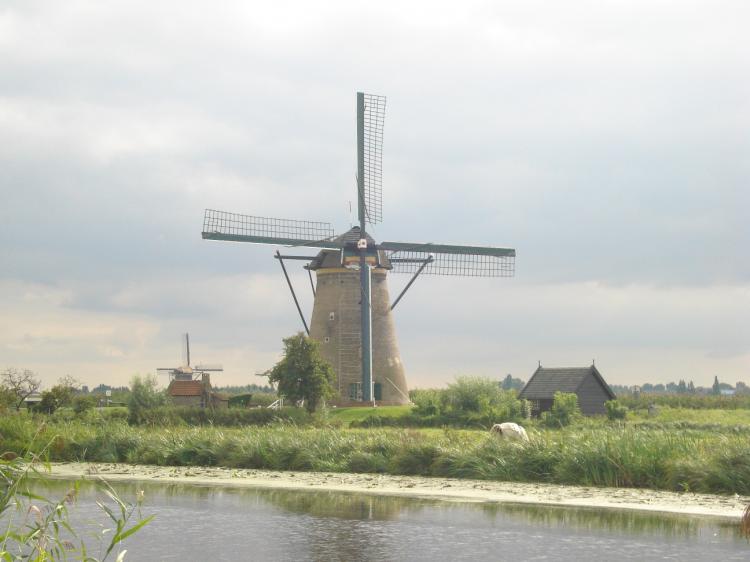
(545, 382)
(185, 388)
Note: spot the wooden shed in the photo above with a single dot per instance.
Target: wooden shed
(586, 382)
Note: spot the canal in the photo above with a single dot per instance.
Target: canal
(196, 523)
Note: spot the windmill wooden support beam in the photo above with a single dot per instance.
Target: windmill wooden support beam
(279, 257)
(425, 263)
(351, 272)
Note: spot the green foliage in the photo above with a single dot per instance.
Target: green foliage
(687, 401)
(245, 389)
(427, 402)
(615, 410)
(716, 387)
(144, 396)
(44, 532)
(511, 383)
(564, 410)
(303, 374)
(7, 398)
(83, 403)
(59, 395)
(263, 399)
(592, 452)
(359, 413)
(472, 394)
(468, 402)
(224, 417)
(240, 400)
(739, 418)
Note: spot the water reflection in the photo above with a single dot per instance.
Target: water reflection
(199, 522)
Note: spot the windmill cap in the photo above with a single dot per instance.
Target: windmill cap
(350, 239)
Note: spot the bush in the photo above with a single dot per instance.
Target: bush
(240, 400)
(83, 403)
(469, 402)
(564, 410)
(426, 402)
(615, 410)
(473, 394)
(143, 398)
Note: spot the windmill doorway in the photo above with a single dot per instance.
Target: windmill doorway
(355, 391)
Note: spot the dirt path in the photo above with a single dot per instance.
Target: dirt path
(419, 487)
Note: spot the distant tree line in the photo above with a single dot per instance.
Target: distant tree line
(682, 387)
(245, 389)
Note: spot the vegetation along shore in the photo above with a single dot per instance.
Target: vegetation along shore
(713, 461)
(445, 434)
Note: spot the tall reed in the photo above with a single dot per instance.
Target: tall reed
(597, 455)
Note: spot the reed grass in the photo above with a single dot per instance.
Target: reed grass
(617, 455)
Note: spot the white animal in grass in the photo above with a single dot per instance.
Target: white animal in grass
(510, 430)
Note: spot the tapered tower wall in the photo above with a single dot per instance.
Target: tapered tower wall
(336, 325)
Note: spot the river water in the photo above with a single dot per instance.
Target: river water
(194, 523)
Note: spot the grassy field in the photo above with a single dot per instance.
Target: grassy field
(684, 415)
(348, 415)
(592, 453)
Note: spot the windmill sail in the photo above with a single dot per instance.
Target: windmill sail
(220, 225)
(445, 259)
(370, 120)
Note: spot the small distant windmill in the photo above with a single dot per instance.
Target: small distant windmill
(352, 312)
(185, 372)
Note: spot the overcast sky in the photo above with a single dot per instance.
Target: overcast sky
(607, 141)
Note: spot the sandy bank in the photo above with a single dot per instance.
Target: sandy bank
(419, 487)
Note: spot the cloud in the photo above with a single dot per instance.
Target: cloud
(607, 142)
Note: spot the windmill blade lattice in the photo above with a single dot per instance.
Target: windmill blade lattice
(220, 225)
(464, 261)
(374, 121)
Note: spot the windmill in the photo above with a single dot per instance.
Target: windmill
(352, 316)
(185, 372)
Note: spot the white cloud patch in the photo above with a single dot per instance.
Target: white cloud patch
(606, 141)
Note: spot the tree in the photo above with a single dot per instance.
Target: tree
(83, 403)
(21, 384)
(510, 383)
(59, 395)
(143, 396)
(7, 398)
(716, 388)
(303, 374)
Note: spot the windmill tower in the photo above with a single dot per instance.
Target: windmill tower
(186, 372)
(352, 315)
(191, 386)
